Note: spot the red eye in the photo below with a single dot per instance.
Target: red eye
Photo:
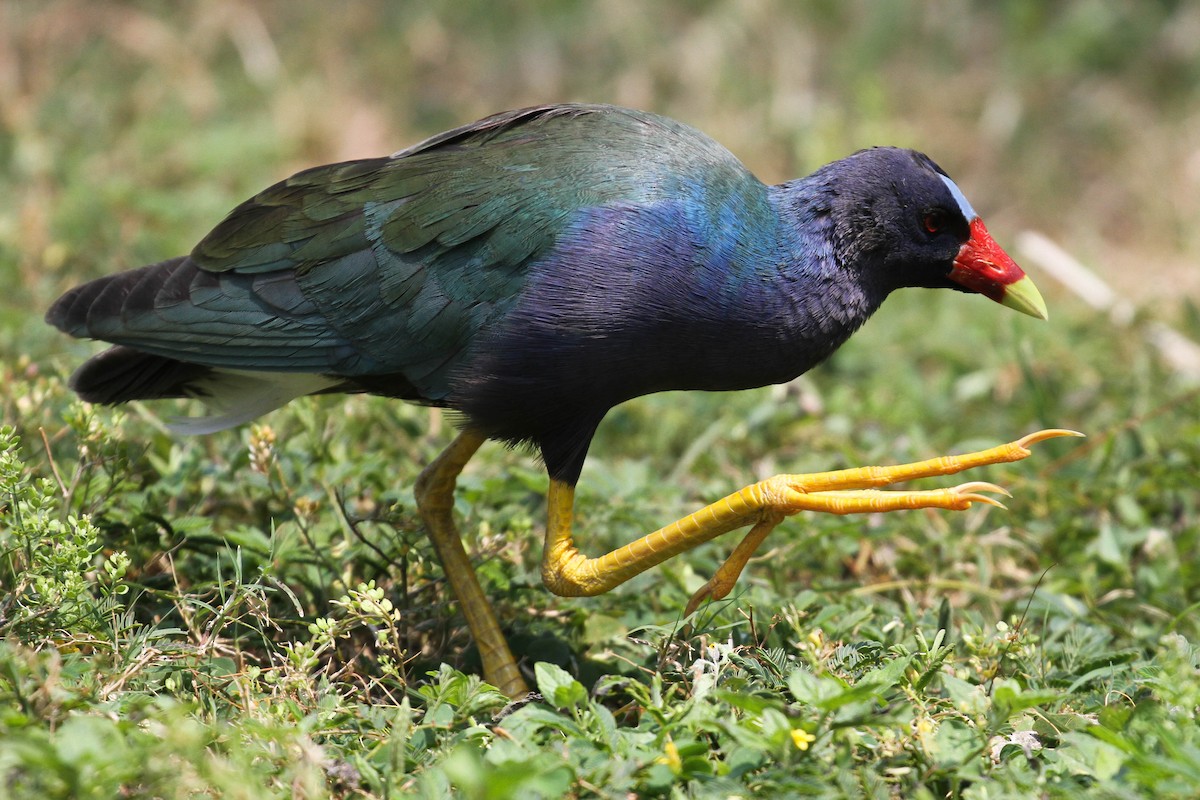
(934, 221)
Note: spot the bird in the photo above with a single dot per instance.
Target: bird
(532, 270)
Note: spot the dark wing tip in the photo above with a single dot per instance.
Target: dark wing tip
(65, 315)
(121, 374)
(90, 309)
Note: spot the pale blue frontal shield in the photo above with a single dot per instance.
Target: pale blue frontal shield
(960, 198)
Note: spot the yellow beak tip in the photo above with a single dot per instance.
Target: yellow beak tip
(1022, 295)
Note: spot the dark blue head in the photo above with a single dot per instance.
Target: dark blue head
(899, 220)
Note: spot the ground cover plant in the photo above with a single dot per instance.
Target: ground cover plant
(258, 613)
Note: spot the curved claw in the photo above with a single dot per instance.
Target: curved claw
(971, 493)
(983, 498)
(1040, 436)
(982, 486)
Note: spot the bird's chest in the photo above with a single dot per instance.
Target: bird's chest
(635, 333)
(627, 306)
(753, 339)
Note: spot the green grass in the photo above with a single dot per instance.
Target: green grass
(258, 613)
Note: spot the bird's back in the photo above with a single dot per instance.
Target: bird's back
(384, 274)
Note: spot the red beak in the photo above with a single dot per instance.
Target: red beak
(983, 267)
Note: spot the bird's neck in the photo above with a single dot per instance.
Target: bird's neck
(814, 294)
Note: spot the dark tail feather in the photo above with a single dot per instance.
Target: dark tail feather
(85, 310)
(120, 374)
(152, 309)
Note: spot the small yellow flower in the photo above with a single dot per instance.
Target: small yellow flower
(816, 638)
(925, 728)
(802, 738)
(670, 757)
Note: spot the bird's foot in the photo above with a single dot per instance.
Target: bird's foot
(790, 498)
(856, 491)
(853, 485)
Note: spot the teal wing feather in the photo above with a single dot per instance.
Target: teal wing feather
(395, 265)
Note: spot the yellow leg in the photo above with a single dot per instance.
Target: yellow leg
(722, 581)
(566, 571)
(435, 501)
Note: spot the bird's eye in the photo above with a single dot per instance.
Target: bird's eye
(934, 220)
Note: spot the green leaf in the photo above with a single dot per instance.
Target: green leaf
(557, 685)
(827, 693)
(1113, 738)
(955, 743)
(968, 698)
(755, 704)
(890, 675)
(1009, 699)
(811, 689)
(1087, 755)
